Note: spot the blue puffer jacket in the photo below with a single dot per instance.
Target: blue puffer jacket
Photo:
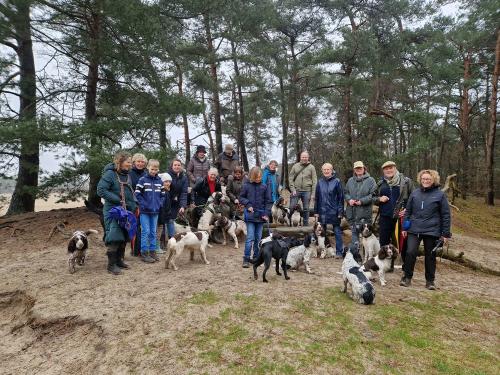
(149, 194)
(257, 196)
(135, 174)
(429, 212)
(271, 179)
(329, 203)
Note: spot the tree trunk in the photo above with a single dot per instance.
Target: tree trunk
(490, 142)
(206, 125)
(93, 30)
(443, 137)
(284, 137)
(294, 100)
(23, 198)
(347, 113)
(215, 88)
(185, 125)
(241, 121)
(464, 126)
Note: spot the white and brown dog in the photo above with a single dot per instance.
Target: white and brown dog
(371, 245)
(280, 212)
(190, 240)
(77, 248)
(232, 227)
(382, 262)
(363, 290)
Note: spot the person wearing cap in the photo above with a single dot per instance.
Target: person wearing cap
(302, 181)
(392, 194)
(226, 161)
(358, 194)
(165, 219)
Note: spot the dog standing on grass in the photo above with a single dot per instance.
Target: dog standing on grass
(363, 291)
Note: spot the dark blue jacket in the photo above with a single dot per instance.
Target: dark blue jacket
(429, 212)
(202, 191)
(166, 210)
(178, 191)
(150, 194)
(257, 196)
(135, 174)
(398, 196)
(329, 203)
(271, 179)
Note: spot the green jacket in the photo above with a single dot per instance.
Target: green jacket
(361, 189)
(302, 178)
(108, 188)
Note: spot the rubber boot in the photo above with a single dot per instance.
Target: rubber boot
(120, 257)
(112, 257)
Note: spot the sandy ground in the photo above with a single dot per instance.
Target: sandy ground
(92, 322)
(43, 205)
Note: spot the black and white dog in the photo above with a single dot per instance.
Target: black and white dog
(363, 290)
(276, 247)
(382, 262)
(295, 216)
(371, 245)
(77, 248)
(232, 227)
(301, 255)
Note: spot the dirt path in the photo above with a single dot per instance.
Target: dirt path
(88, 322)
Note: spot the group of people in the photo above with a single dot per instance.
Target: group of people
(413, 214)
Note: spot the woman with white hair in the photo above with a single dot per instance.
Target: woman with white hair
(427, 219)
(203, 189)
(329, 203)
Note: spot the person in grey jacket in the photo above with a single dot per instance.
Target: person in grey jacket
(427, 219)
(358, 194)
(198, 166)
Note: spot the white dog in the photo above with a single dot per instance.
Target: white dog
(371, 245)
(382, 262)
(362, 289)
(302, 254)
(191, 240)
(232, 227)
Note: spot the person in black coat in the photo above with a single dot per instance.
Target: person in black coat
(203, 189)
(165, 218)
(427, 219)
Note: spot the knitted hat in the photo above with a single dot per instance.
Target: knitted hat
(165, 177)
(228, 147)
(201, 148)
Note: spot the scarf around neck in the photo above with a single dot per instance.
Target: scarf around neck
(395, 180)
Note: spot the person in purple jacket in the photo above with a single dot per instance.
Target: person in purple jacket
(256, 197)
(150, 195)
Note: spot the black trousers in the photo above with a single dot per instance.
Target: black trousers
(413, 242)
(387, 226)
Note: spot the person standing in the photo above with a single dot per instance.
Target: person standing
(226, 161)
(392, 194)
(203, 190)
(358, 194)
(329, 204)
(256, 197)
(302, 181)
(197, 168)
(114, 187)
(165, 218)
(428, 218)
(151, 196)
(233, 188)
(178, 193)
(271, 178)
(138, 170)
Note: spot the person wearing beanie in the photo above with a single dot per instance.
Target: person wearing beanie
(226, 162)
(165, 219)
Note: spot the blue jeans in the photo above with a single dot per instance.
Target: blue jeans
(168, 228)
(149, 222)
(305, 197)
(254, 235)
(339, 245)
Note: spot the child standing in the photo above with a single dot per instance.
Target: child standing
(165, 219)
(150, 195)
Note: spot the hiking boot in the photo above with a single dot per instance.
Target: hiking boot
(246, 264)
(146, 258)
(430, 285)
(153, 255)
(405, 282)
(112, 267)
(119, 259)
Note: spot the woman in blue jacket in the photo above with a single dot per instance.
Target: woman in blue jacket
(427, 219)
(256, 197)
(329, 203)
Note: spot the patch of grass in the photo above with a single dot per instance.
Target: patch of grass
(207, 297)
(475, 217)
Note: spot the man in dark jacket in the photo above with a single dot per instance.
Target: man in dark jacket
(329, 203)
(226, 161)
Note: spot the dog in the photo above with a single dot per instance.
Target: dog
(276, 248)
(77, 248)
(322, 242)
(363, 291)
(279, 212)
(295, 216)
(371, 245)
(382, 262)
(191, 240)
(301, 255)
(232, 227)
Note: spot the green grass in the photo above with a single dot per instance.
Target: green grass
(438, 333)
(207, 297)
(476, 218)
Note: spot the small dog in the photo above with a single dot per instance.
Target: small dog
(232, 227)
(296, 216)
(301, 254)
(276, 248)
(77, 248)
(371, 245)
(279, 211)
(362, 289)
(382, 262)
(191, 240)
